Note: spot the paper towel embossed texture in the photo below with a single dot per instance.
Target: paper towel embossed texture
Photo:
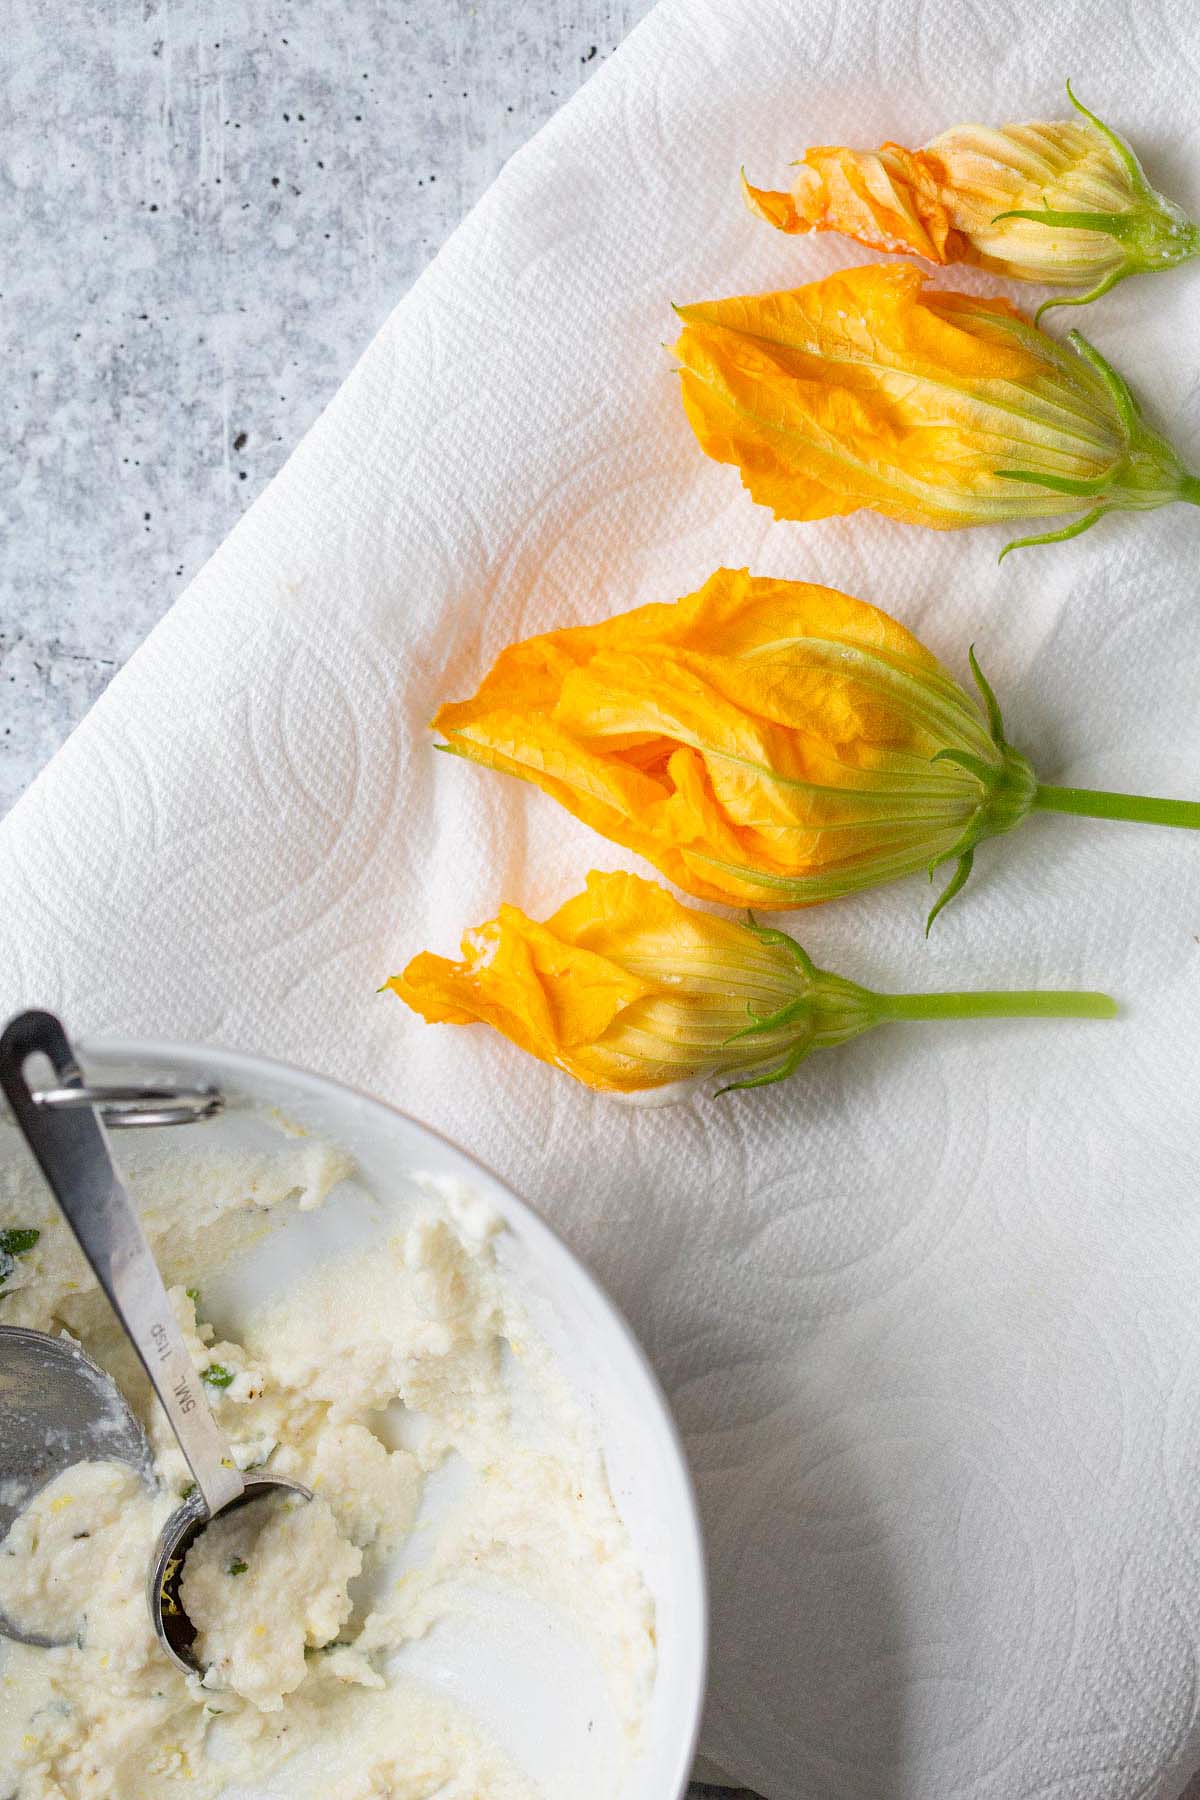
(927, 1313)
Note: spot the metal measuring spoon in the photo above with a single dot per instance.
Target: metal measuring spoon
(72, 1151)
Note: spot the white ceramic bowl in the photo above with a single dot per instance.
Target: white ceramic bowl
(531, 1698)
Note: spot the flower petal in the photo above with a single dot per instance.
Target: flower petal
(938, 409)
(549, 995)
(888, 199)
(761, 741)
(1064, 203)
(623, 987)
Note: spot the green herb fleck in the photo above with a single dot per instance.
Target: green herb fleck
(188, 1491)
(236, 1566)
(16, 1240)
(19, 1239)
(193, 1295)
(217, 1375)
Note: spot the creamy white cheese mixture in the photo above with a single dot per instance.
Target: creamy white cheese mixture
(296, 1636)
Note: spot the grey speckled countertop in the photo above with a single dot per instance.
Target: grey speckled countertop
(208, 213)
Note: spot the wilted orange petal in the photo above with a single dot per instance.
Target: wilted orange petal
(887, 199)
(857, 391)
(552, 996)
(938, 409)
(761, 741)
(624, 987)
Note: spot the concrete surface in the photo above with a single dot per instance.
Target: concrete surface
(208, 211)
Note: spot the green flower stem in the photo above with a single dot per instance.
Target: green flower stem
(1035, 1004)
(1189, 489)
(1094, 803)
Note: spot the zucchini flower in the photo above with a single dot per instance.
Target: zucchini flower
(934, 408)
(626, 988)
(765, 743)
(1064, 203)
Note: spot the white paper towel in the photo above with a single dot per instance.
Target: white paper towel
(928, 1313)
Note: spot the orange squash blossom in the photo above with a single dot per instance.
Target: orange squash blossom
(765, 743)
(1065, 203)
(868, 390)
(625, 988)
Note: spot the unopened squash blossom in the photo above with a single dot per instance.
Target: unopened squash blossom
(765, 743)
(626, 988)
(938, 409)
(1063, 203)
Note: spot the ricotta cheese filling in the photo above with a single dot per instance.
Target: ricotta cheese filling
(376, 1378)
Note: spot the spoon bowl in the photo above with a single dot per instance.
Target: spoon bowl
(59, 1408)
(173, 1628)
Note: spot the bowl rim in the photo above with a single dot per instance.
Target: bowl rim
(170, 1051)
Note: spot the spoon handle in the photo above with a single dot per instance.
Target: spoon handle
(72, 1151)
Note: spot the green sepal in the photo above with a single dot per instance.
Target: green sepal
(974, 765)
(760, 1022)
(1122, 395)
(1059, 484)
(1133, 167)
(1008, 787)
(1104, 286)
(1075, 529)
(1121, 226)
(954, 886)
(991, 705)
(766, 934)
(787, 1067)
